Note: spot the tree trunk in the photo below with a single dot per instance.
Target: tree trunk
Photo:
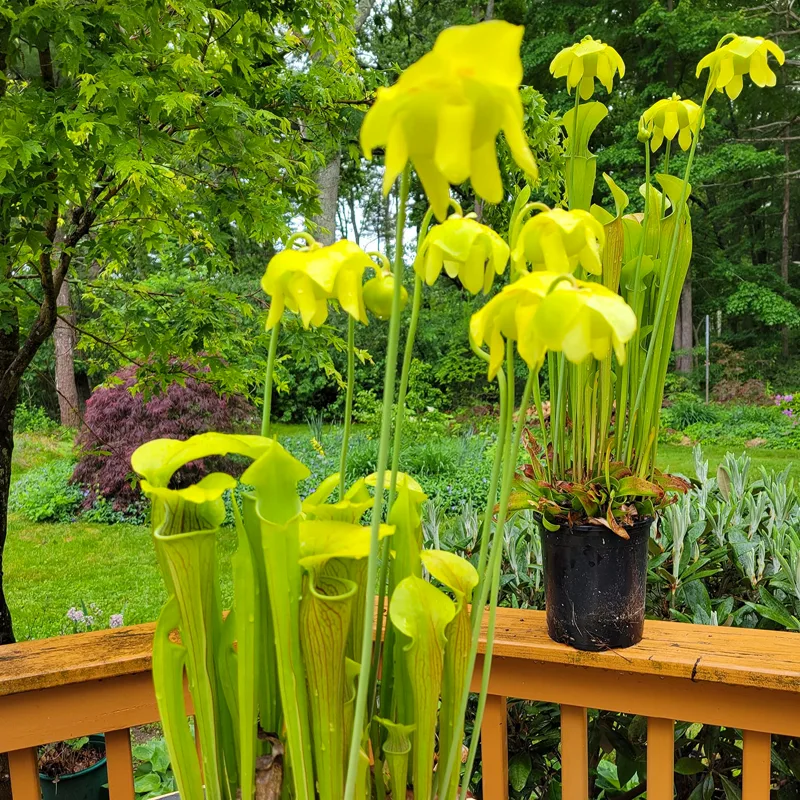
(9, 345)
(785, 242)
(684, 330)
(327, 180)
(64, 341)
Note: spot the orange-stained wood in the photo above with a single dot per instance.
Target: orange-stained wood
(574, 753)
(66, 712)
(701, 653)
(23, 766)
(120, 765)
(61, 660)
(660, 759)
(756, 766)
(494, 748)
(647, 694)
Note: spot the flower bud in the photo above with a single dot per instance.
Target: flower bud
(378, 294)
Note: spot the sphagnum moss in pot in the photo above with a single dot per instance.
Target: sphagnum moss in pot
(591, 474)
(286, 691)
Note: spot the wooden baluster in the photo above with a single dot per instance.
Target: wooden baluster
(23, 766)
(756, 766)
(660, 759)
(120, 765)
(574, 753)
(494, 748)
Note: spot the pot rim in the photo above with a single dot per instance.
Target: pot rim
(594, 528)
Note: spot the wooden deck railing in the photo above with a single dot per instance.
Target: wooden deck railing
(71, 686)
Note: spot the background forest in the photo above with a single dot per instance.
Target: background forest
(171, 294)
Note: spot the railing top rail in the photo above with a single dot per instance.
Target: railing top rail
(737, 656)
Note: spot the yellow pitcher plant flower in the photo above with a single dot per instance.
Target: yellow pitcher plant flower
(583, 319)
(304, 280)
(672, 117)
(586, 60)
(738, 57)
(446, 110)
(559, 241)
(467, 250)
(546, 311)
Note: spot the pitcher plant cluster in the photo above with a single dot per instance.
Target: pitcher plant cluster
(299, 687)
(596, 460)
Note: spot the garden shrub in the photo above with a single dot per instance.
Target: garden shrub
(45, 494)
(33, 419)
(687, 409)
(118, 420)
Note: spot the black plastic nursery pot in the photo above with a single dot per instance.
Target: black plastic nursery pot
(88, 784)
(595, 585)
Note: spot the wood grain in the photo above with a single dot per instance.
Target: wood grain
(734, 656)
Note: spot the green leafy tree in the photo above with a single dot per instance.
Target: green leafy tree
(141, 143)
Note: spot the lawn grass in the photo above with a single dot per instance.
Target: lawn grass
(677, 458)
(50, 568)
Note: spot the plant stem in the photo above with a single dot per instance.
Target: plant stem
(497, 559)
(377, 509)
(396, 448)
(482, 590)
(666, 172)
(267, 410)
(348, 403)
(537, 401)
(573, 148)
(408, 356)
(641, 422)
(633, 348)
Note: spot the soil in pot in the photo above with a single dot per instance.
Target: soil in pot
(74, 770)
(595, 585)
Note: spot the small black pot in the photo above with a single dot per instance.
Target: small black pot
(595, 585)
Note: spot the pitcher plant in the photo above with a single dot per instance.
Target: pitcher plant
(343, 669)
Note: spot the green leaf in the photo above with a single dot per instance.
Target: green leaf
(638, 487)
(147, 783)
(519, 769)
(169, 660)
(422, 613)
(397, 748)
(732, 791)
(689, 766)
(325, 612)
(276, 496)
(190, 559)
(461, 577)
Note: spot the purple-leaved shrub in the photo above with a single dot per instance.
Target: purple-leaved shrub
(117, 422)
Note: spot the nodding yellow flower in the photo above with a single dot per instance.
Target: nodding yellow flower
(315, 443)
(467, 250)
(737, 57)
(586, 60)
(304, 280)
(670, 118)
(559, 240)
(379, 292)
(583, 319)
(445, 111)
(545, 311)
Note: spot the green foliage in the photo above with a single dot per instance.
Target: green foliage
(44, 493)
(730, 425)
(152, 775)
(687, 409)
(34, 420)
